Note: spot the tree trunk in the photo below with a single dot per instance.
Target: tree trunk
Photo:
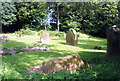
(45, 27)
(0, 25)
(0, 20)
(83, 27)
(58, 22)
(23, 25)
(118, 24)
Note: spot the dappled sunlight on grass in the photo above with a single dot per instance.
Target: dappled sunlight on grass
(89, 50)
(10, 72)
(89, 39)
(0, 67)
(30, 40)
(15, 66)
(13, 43)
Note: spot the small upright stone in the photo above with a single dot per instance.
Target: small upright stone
(71, 37)
(45, 38)
(113, 41)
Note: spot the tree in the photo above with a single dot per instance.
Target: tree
(88, 17)
(58, 8)
(31, 13)
(8, 13)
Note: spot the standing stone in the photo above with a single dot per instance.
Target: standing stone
(45, 38)
(113, 41)
(71, 37)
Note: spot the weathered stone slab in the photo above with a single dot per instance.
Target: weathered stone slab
(45, 38)
(113, 41)
(71, 37)
(70, 62)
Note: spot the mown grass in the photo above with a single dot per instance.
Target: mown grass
(103, 67)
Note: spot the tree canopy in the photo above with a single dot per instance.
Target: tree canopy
(30, 12)
(8, 13)
(88, 17)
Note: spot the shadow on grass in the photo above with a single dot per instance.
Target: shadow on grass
(21, 62)
(90, 44)
(88, 55)
(13, 44)
(18, 64)
(95, 58)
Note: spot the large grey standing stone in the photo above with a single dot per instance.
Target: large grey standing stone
(45, 38)
(71, 37)
(113, 41)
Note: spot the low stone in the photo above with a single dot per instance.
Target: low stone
(12, 52)
(98, 47)
(2, 52)
(20, 52)
(39, 45)
(4, 39)
(70, 62)
(1, 45)
(36, 48)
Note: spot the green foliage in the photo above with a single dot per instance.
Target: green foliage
(52, 33)
(118, 18)
(8, 13)
(25, 32)
(32, 13)
(41, 32)
(88, 17)
(56, 33)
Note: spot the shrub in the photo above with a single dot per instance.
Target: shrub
(25, 32)
(52, 33)
(56, 33)
(84, 73)
(41, 32)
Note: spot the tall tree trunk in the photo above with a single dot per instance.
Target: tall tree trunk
(45, 27)
(0, 24)
(0, 19)
(58, 22)
(83, 27)
(118, 14)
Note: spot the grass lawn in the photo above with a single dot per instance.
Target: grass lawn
(104, 67)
